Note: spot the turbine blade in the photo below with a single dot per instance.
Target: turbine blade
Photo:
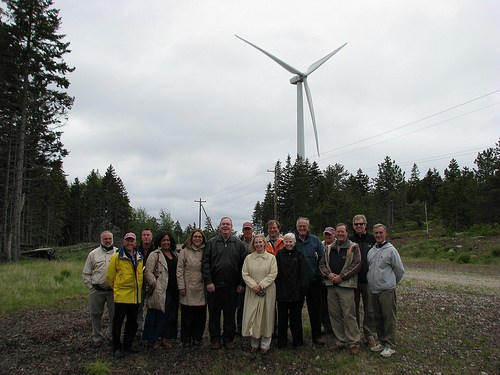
(311, 109)
(320, 62)
(290, 68)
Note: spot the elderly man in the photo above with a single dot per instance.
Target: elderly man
(246, 238)
(124, 275)
(311, 247)
(100, 293)
(221, 268)
(274, 239)
(385, 271)
(365, 241)
(340, 265)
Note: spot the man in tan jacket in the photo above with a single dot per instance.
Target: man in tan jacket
(100, 293)
(340, 265)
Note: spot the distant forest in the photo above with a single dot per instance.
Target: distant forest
(459, 199)
(40, 208)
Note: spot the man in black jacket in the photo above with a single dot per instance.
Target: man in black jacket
(365, 241)
(221, 267)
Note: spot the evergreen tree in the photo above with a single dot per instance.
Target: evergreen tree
(488, 179)
(35, 106)
(115, 203)
(389, 187)
(456, 197)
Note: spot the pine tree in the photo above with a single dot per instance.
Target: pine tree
(38, 103)
(390, 188)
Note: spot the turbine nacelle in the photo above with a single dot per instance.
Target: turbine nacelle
(297, 78)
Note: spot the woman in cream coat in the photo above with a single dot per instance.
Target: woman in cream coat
(163, 303)
(192, 289)
(259, 272)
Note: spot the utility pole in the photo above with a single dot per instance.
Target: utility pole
(275, 193)
(199, 220)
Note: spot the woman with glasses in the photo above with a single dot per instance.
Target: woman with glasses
(192, 289)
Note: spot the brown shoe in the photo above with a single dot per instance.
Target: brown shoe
(216, 345)
(319, 342)
(264, 351)
(254, 350)
(354, 350)
(336, 347)
(372, 343)
(229, 345)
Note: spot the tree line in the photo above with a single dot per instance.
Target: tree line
(457, 200)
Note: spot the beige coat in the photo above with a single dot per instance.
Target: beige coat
(258, 312)
(157, 299)
(189, 276)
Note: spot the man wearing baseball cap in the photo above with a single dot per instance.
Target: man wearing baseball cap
(246, 238)
(124, 275)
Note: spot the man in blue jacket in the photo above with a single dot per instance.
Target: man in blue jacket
(312, 248)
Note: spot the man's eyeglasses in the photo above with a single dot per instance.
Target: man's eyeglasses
(358, 224)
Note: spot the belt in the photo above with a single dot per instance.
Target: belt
(100, 288)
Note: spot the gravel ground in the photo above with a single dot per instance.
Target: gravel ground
(449, 323)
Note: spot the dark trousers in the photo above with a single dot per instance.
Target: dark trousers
(325, 316)
(294, 311)
(122, 310)
(193, 320)
(239, 310)
(222, 301)
(313, 299)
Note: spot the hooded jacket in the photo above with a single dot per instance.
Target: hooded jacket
(385, 268)
(124, 275)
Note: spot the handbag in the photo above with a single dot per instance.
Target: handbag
(148, 288)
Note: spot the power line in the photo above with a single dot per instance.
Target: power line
(420, 120)
(402, 135)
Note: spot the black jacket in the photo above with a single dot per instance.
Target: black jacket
(365, 242)
(222, 261)
(292, 281)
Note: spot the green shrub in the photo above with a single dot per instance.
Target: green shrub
(495, 252)
(98, 368)
(58, 278)
(464, 259)
(65, 273)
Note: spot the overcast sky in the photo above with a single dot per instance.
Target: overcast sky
(184, 110)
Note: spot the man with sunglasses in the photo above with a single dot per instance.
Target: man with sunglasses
(365, 241)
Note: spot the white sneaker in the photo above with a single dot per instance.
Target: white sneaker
(387, 352)
(377, 348)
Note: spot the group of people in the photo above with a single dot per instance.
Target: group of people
(263, 280)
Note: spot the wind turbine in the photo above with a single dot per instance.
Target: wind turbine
(297, 80)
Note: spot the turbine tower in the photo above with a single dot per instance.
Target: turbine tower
(297, 80)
